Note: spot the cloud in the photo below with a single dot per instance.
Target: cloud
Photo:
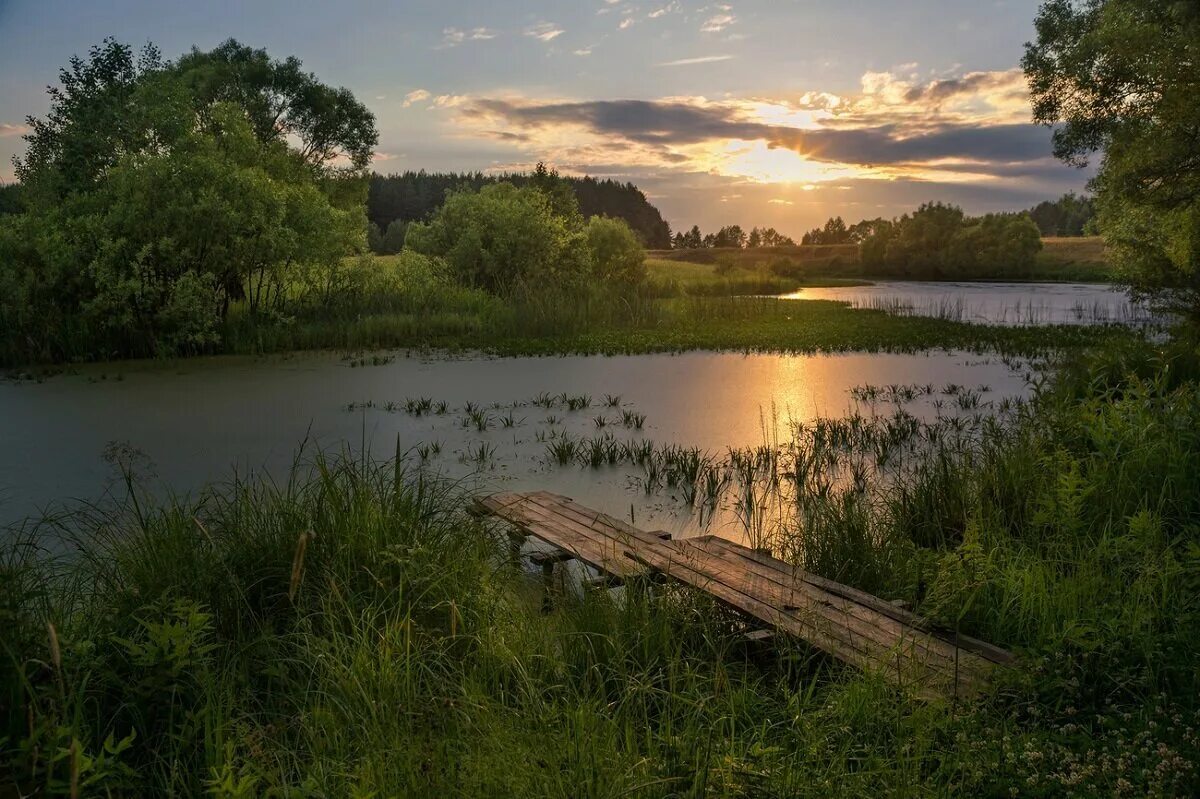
(971, 127)
(452, 37)
(583, 51)
(626, 23)
(683, 62)
(416, 96)
(717, 23)
(7, 129)
(667, 9)
(545, 31)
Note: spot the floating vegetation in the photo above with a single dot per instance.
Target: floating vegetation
(429, 450)
(563, 450)
(577, 403)
(612, 401)
(371, 360)
(418, 407)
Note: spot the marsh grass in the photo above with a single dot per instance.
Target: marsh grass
(351, 631)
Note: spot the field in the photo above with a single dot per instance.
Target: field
(1073, 260)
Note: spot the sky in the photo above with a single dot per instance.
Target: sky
(754, 112)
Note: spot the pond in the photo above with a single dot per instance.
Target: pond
(487, 421)
(990, 303)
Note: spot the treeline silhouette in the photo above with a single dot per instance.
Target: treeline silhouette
(1069, 215)
(939, 241)
(730, 237)
(395, 200)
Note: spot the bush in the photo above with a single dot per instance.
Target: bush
(617, 255)
(502, 236)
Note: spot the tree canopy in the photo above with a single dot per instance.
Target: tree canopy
(730, 237)
(524, 239)
(940, 241)
(1121, 77)
(156, 194)
(416, 196)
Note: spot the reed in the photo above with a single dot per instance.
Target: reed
(350, 630)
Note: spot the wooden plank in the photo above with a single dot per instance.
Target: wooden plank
(906, 658)
(890, 609)
(850, 624)
(879, 628)
(598, 550)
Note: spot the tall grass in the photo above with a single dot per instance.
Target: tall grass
(350, 631)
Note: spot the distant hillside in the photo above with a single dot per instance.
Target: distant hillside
(416, 195)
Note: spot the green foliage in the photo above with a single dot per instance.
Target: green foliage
(617, 255)
(502, 237)
(1070, 215)
(350, 631)
(12, 200)
(138, 240)
(938, 241)
(1121, 76)
(416, 196)
(281, 102)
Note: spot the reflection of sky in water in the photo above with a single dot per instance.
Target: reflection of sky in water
(991, 303)
(194, 422)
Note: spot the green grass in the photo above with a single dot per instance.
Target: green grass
(351, 632)
(713, 323)
(1062, 259)
(1075, 260)
(683, 305)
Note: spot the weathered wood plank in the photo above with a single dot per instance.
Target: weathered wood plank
(905, 657)
(890, 609)
(849, 624)
(877, 613)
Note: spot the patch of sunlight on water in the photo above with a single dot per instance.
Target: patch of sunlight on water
(1009, 304)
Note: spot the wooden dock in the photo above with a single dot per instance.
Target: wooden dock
(849, 624)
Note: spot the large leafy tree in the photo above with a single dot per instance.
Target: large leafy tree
(1122, 77)
(157, 197)
(281, 100)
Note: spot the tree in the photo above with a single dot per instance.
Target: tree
(12, 199)
(834, 232)
(145, 233)
(393, 238)
(617, 255)
(416, 196)
(282, 101)
(732, 237)
(502, 238)
(1122, 77)
(1070, 215)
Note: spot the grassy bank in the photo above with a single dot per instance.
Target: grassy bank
(714, 323)
(352, 632)
(1062, 259)
(392, 301)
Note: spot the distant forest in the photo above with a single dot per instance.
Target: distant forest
(414, 196)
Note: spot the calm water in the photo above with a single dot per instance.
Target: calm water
(187, 424)
(990, 303)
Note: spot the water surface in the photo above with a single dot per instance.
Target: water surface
(990, 303)
(183, 425)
